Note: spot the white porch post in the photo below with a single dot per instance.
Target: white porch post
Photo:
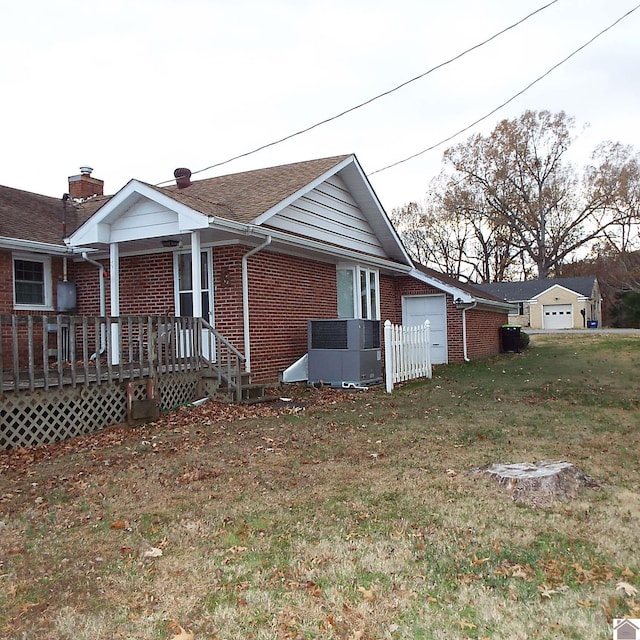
(114, 290)
(196, 274)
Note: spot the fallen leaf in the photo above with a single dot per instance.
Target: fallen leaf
(367, 594)
(181, 634)
(629, 589)
(120, 525)
(465, 624)
(154, 552)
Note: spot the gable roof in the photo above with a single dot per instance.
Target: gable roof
(531, 289)
(252, 203)
(244, 197)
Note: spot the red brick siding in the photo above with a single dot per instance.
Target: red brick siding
(483, 338)
(6, 308)
(483, 333)
(285, 292)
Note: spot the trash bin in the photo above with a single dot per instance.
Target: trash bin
(510, 338)
(592, 324)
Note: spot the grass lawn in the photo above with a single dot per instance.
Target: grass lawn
(347, 516)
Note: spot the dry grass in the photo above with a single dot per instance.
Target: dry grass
(350, 517)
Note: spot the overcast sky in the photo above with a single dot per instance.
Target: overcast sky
(136, 88)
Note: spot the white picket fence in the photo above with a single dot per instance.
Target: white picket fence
(407, 353)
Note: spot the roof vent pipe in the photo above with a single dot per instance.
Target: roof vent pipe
(183, 177)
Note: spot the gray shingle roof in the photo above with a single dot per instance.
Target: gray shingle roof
(530, 289)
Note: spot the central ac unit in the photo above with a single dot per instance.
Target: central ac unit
(344, 352)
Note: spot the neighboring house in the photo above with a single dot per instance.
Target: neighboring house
(558, 303)
(257, 254)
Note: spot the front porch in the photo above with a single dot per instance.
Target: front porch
(65, 375)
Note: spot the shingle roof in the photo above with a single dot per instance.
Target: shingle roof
(244, 196)
(530, 289)
(33, 217)
(471, 289)
(239, 196)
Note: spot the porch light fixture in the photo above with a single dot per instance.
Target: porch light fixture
(170, 243)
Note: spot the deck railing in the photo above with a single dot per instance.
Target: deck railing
(47, 351)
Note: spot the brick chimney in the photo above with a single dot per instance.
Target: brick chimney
(84, 186)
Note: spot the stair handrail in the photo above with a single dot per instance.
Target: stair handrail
(232, 376)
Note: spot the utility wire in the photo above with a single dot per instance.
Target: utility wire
(511, 99)
(370, 100)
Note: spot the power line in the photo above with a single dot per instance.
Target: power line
(370, 100)
(511, 99)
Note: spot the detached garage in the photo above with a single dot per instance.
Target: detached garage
(554, 303)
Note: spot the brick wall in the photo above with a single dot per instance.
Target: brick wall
(483, 333)
(285, 292)
(483, 327)
(6, 308)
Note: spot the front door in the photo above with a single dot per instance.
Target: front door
(184, 294)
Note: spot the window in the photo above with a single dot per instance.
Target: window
(31, 282)
(358, 293)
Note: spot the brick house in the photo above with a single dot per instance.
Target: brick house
(256, 254)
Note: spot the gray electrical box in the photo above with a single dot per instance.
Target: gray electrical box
(344, 352)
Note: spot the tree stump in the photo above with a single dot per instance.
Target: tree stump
(538, 484)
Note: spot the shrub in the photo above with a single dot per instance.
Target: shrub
(525, 338)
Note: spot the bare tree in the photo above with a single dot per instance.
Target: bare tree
(519, 174)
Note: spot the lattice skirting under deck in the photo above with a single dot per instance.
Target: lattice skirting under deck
(32, 418)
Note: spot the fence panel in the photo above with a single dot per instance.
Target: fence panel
(407, 353)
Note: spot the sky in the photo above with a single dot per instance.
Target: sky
(136, 88)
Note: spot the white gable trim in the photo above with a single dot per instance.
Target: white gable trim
(103, 226)
(361, 191)
(301, 192)
(559, 286)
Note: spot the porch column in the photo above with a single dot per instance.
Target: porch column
(114, 291)
(196, 274)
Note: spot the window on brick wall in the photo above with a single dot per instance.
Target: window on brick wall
(358, 292)
(32, 282)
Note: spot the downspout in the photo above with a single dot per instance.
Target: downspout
(464, 330)
(245, 300)
(103, 301)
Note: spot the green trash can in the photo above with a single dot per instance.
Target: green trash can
(510, 338)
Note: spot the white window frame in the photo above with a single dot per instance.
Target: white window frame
(46, 274)
(372, 276)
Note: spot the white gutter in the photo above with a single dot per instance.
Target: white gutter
(308, 243)
(464, 329)
(103, 300)
(29, 245)
(245, 300)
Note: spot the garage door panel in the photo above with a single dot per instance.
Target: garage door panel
(557, 316)
(417, 309)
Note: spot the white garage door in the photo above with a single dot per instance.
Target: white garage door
(417, 309)
(557, 316)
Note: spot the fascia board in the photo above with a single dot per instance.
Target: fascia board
(447, 288)
(383, 217)
(36, 247)
(299, 242)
